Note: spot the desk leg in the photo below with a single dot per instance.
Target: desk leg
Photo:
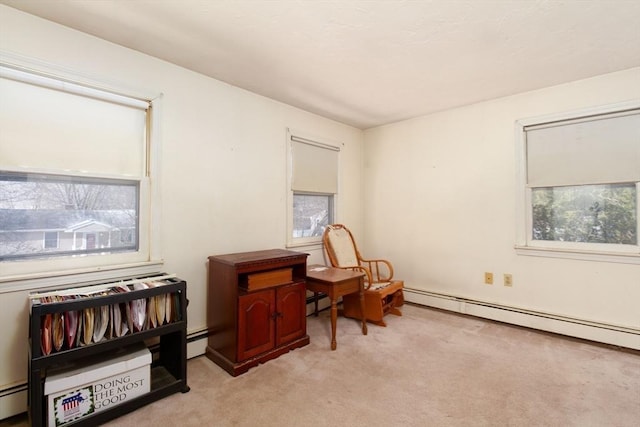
(334, 321)
(362, 306)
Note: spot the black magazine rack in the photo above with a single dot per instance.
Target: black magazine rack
(167, 343)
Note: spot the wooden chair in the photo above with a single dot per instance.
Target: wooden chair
(382, 294)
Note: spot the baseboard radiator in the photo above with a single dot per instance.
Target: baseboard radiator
(621, 336)
(13, 400)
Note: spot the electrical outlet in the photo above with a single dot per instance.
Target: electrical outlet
(508, 280)
(488, 278)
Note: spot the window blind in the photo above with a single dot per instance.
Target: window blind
(315, 166)
(600, 150)
(54, 126)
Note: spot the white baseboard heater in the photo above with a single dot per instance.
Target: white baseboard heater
(13, 400)
(622, 336)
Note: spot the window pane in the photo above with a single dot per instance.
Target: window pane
(311, 214)
(586, 213)
(50, 239)
(45, 215)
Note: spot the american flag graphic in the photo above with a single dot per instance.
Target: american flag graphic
(72, 402)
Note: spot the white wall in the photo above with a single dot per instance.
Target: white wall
(223, 163)
(455, 216)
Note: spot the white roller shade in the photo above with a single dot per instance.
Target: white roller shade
(315, 166)
(70, 128)
(584, 151)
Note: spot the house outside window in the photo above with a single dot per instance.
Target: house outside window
(313, 188)
(579, 184)
(95, 221)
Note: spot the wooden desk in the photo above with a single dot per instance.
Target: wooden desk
(336, 282)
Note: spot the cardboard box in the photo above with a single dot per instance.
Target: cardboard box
(97, 385)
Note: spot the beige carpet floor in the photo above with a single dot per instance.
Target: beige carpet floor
(427, 368)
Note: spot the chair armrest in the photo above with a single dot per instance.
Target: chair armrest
(380, 270)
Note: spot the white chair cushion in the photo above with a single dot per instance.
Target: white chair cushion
(343, 248)
(379, 285)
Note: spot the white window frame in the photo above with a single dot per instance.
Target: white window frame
(292, 135)
(525, 245)
(35, 274)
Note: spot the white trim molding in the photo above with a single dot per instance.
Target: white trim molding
(66, 278)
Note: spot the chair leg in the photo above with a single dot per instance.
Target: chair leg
(397, 301)
(378, 322)
(395, 311)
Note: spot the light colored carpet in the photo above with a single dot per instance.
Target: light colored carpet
(427, 368)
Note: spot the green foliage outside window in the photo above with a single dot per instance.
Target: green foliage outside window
(586, 213)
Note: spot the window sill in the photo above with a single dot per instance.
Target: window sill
(60, 279)
(311, 245)
(615, 257)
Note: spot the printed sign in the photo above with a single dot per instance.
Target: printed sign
(71, 404)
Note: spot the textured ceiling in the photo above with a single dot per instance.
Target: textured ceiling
(368, 63)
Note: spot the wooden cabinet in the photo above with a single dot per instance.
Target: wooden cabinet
(256, 308)
(257, 331)
(166, 341)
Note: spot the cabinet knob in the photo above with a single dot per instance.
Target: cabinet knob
(275, 315)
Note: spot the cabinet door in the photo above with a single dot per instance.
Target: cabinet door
(291, 307)
(256, 332)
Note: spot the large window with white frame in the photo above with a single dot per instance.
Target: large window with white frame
(579, 184)
(313, 188)
(75, 162)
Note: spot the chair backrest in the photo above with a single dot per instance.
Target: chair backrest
(340, 246)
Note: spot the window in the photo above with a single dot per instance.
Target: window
(75, 163)
(76, 216)
(311, 214)
(579, 184)
(313, 188)
(50, 239)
